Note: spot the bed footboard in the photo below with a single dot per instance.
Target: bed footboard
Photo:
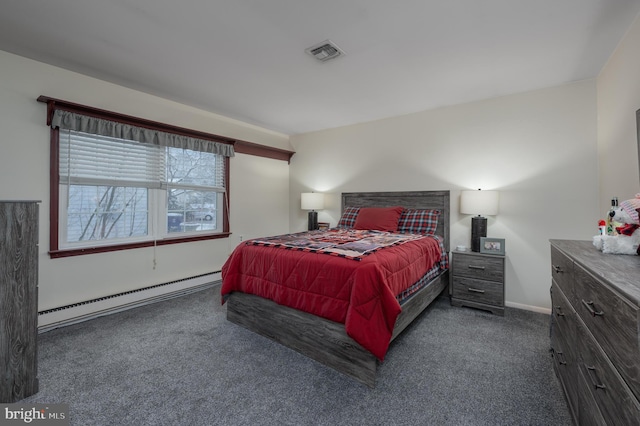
(320, 339)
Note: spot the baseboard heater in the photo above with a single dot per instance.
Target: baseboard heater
(90, 309)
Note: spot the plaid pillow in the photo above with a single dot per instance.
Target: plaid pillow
(414, 221)
(348, 219)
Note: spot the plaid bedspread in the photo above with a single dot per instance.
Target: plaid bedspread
(348, 243)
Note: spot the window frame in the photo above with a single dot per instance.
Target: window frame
(54, 249)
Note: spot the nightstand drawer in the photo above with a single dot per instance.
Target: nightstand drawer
(479, 267)
(481, 291)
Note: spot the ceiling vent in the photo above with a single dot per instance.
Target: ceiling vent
(325, 51)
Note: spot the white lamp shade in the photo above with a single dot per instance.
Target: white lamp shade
(312, 201)
(479, 202)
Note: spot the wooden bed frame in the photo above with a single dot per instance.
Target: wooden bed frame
(326, 341)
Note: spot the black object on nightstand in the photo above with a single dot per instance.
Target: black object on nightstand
(478, 281)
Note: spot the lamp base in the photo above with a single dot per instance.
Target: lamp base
(313, 221)
(478, 229)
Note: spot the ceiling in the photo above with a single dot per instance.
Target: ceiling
(245, 59)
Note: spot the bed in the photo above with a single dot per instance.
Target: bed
(351, 337)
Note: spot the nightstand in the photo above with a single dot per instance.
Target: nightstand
(478, 281)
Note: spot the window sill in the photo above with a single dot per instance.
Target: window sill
(54, 254)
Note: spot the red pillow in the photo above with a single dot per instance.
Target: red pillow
(379, 218)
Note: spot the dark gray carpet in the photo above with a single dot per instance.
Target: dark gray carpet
(179, 362)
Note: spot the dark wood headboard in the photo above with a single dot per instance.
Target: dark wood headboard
(437, 200)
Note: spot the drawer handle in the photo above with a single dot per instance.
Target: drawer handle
(561, 361)
(481, 268)
(595, 383)
(559, 311)
(557, 269)
(475, 290)
(591, 308)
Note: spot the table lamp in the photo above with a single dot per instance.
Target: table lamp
(312, 201)
(478, 203)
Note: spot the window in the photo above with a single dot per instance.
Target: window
(115, 189)
(195, 185)
(119, 186)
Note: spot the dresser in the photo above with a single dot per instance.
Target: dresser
(18, 300)
(477, 281)
(595, 332)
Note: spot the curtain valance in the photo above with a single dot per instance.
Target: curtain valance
(98, 126)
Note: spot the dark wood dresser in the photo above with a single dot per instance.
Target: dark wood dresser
(18, 300)
(595, 332)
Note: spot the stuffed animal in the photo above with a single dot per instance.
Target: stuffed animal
(638, 251)
(627, 238)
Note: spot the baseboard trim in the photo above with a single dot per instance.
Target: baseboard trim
(529, 308)
(78, 312)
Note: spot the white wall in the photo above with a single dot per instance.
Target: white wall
(618, 101)
(261, 205)
(24, 174)
(538, 149)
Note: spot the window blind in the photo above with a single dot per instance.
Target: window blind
(195, 170)
(100, 160)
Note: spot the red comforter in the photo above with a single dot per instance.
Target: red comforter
(359, 294)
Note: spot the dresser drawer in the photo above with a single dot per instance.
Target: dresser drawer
(565, 365)
(589, 413)
(481, 291)
(562, 272)
(563, 314)
(615, 400)
(479, 267)
(614, 323)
